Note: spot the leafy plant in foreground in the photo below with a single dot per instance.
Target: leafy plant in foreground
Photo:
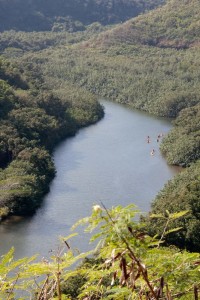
(128, 264)
(42, 280)
(134, 265)
(180, 193)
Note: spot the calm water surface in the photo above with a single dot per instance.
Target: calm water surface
(109, 162)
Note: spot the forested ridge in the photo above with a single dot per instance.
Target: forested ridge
(150, 62)
(33, 121)
(174, 25)
(68, 15)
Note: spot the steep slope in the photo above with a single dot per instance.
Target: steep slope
(175, 24)
(35, 15)
(128, 65)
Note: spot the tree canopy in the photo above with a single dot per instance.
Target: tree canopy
(32, 122)
(69, 15)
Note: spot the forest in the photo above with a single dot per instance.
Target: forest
(53, 78)
(33, 121)
(70, 15)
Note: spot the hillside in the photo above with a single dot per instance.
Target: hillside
(140, 62)
(175, 25)
(151, 63)
(68, 15)
(136, 62)
(162, 80)
(32, 122)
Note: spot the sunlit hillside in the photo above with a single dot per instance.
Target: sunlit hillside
(176, 24)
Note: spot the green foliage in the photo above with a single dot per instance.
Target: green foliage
(12, 75)
(115, 63)
(25, 180)
(27, 278)
(150, 62)
(69, 15)
(128, 264)
(182, 145)
(181, 193)
(15, 43)
(173, 25)
(116, 66)
(32, 122)
(147, 78)
(6, 99)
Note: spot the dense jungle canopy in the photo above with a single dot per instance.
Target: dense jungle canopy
(49, 86)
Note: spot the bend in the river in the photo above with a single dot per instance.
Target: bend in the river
(108, 162)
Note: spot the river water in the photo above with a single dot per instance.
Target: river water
(108, 162)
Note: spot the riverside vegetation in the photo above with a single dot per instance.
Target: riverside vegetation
(151, 63)
(33, 120)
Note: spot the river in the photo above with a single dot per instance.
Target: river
(107, 162)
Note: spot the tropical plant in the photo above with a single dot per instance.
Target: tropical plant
(131, 264)
(128, 264)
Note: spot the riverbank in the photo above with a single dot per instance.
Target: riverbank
(107, 162)
(27, 194)
(32, 122)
